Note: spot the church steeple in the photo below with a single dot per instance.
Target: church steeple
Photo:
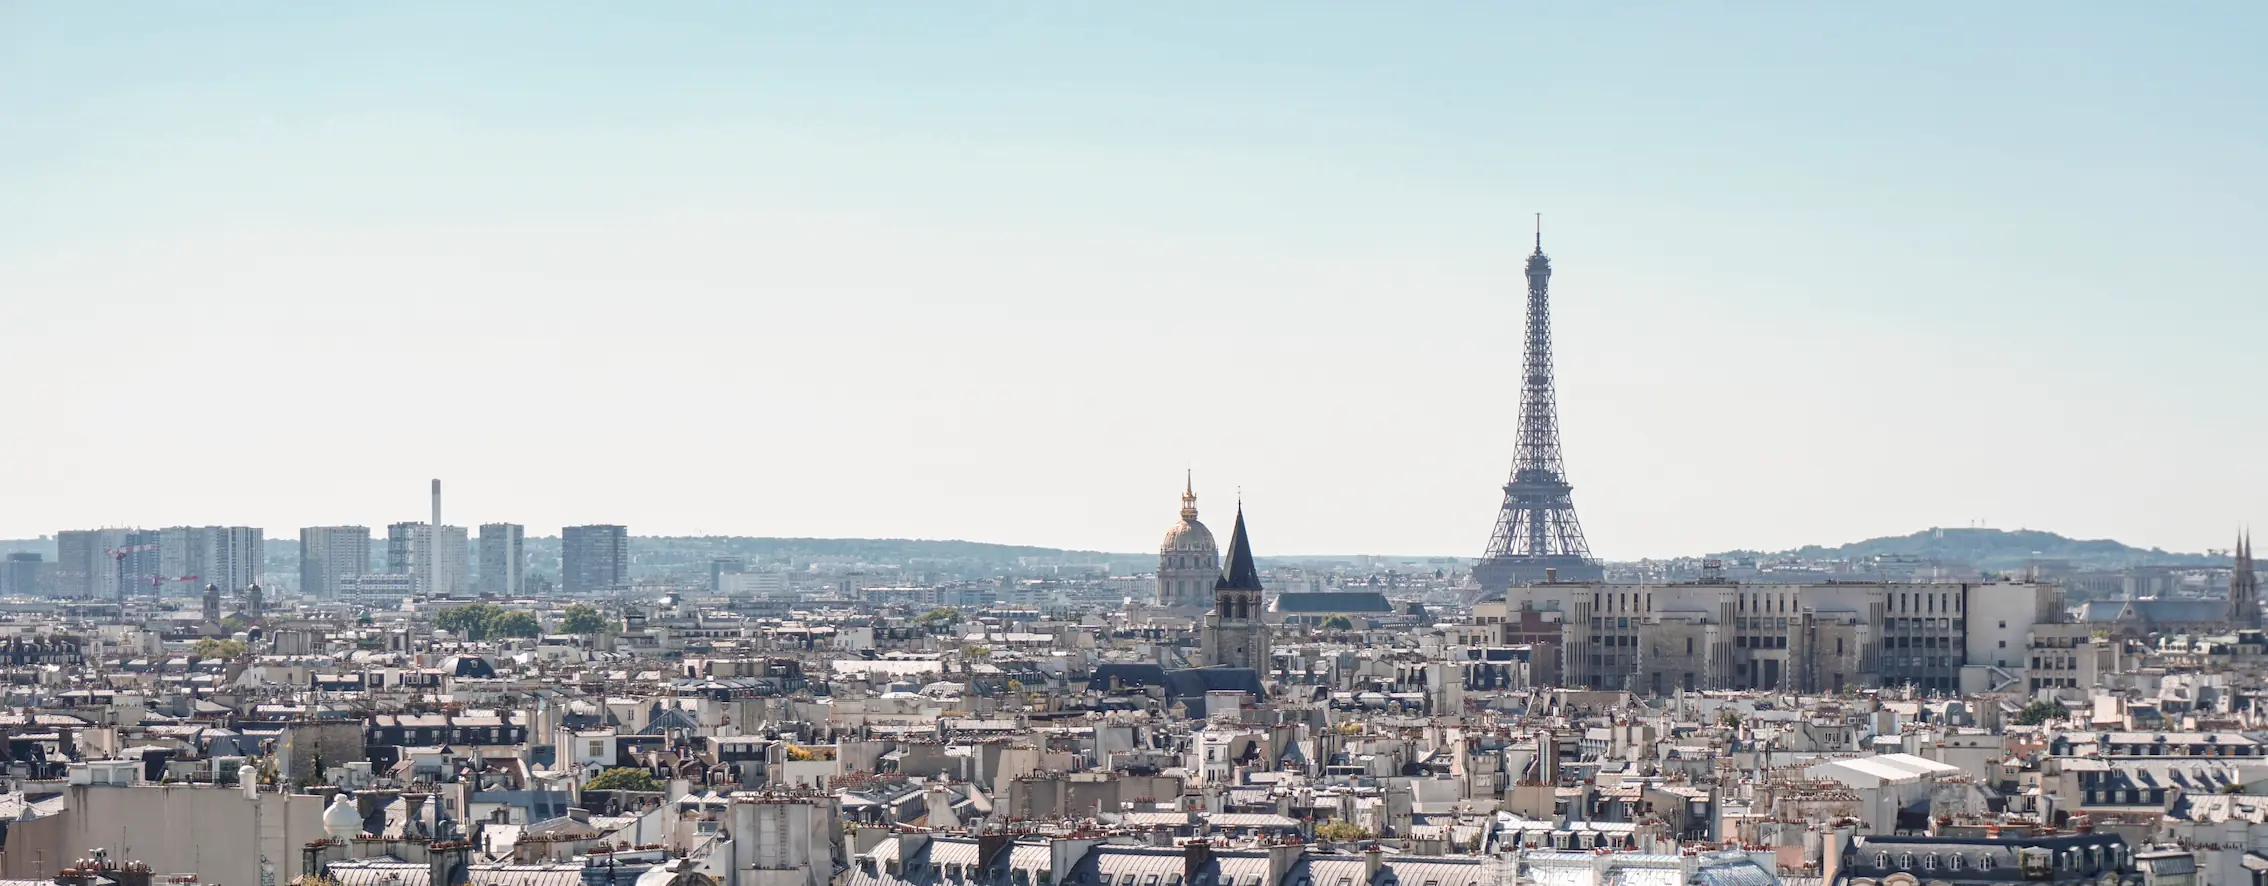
(2244, 586)
(1235, 633)
(1238, 573)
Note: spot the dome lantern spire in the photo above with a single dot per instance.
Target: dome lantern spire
(1188, 496)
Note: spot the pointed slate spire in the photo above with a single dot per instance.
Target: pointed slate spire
(1238, 573)
(2244, 585)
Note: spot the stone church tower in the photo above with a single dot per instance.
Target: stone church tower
(1236, 633)
(2244, 587)
(1188, 563)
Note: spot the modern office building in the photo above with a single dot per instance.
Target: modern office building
(503, 554)
(25, 574)
(594, 558)
(329, 555)
(378, 584)
(191, 557)
(719, 567)
(137, 564)
(86, 562)
(408, 547)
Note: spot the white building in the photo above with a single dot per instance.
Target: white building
(758, 584)
(378, 584)
(1885, 783)
(503, 554)
(408, 547)
(328, 555)
(1545, 867)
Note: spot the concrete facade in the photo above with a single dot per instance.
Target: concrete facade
(1825, 638)
(223, 834)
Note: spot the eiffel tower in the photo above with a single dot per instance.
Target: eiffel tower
(1537, 537)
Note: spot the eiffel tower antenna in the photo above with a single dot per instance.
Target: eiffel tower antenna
(1537, 536)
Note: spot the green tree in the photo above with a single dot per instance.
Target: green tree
(470, 621)
(1338, 623)
(623, 778)
(1340, 831)
(514, 623)
(211, 647)
(2040, 712)
(582, 618)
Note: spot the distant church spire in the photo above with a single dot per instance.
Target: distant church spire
(1238, 573)
(2244, 586)
(1188, 495)
(1235, 633)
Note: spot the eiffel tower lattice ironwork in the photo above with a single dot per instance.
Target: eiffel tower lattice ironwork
(1537, 536)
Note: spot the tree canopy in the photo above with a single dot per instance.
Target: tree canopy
(213, 647)
(481, 621)
(1340, 831)
(514, 623)
(582, 618)
(623, 778)
(939, 615)
(2039, 712)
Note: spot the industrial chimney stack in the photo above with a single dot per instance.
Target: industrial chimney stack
(433, 556)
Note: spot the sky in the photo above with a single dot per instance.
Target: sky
(1003, 272)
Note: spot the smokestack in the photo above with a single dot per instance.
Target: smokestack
(433, 539)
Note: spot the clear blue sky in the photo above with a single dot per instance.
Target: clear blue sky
(1001, 272)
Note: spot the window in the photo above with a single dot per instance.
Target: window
(1953, 862)
(1689, 645)
(1929, 862)
(1882, 859)
(597, 749)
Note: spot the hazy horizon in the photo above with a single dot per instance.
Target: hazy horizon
(1002, 272)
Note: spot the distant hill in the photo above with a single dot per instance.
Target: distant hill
(1994, 549)
(874, 550)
